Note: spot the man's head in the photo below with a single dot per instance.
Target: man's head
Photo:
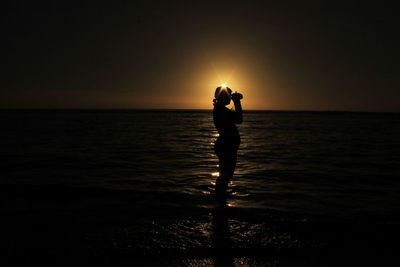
(222, 96)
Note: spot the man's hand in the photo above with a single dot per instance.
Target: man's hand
(236, 97)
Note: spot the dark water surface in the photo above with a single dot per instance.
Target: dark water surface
(140, 183)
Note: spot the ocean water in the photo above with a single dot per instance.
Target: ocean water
(140, 182)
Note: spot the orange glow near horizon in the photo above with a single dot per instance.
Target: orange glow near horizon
(191, 82)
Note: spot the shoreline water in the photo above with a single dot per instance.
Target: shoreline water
(122, 234)
(136, 186)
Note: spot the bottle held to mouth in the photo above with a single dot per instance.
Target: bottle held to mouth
(237, 96)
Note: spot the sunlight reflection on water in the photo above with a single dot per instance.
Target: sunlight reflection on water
(286, 160)
(144, 181)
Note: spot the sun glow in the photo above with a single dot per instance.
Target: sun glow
(222, 73)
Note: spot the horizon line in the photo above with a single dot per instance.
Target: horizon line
(188, 109)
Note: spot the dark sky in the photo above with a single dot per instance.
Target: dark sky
(295, 55)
